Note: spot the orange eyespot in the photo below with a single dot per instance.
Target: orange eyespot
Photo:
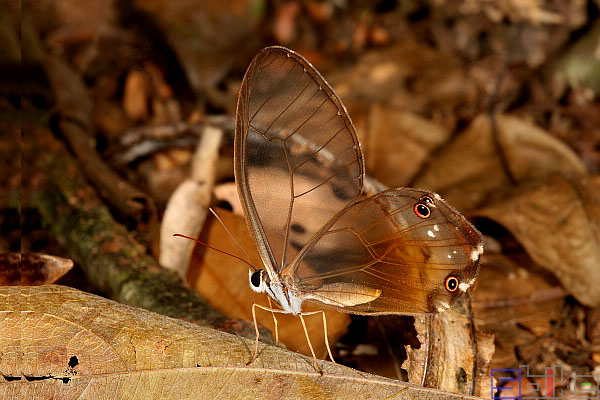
(451, 283)
(422, 210)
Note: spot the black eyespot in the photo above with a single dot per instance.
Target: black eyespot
(422, 210)
(451, 283)
(256, 278)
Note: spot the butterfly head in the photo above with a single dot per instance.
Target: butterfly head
(258, 280)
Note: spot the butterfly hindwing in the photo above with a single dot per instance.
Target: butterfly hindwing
(383, 255)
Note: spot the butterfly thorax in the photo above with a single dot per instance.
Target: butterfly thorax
(282, 292)
(287, 298)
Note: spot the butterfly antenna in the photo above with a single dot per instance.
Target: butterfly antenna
(215, 249)
(229, 233)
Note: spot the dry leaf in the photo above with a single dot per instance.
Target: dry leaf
(32, 269)
(397, 143)
(223, 282)
(136, 95)
(284, 26)
(557, 221)
(58, 342)
(406, 76)
(207, 36)
(516, 316)
(469, 171)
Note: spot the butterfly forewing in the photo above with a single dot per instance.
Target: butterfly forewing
(381, 257)
(298, 161)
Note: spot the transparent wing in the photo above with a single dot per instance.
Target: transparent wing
(380, 257)
(297, 157)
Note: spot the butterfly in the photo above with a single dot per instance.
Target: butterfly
(299, 170)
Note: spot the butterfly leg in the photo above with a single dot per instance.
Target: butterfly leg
(274, 321)
(255, 354)
(326, 338)
(309, 343)
(272, 310)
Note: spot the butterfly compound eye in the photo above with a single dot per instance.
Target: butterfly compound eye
(451, 283)
(422, 210)
(256, 279)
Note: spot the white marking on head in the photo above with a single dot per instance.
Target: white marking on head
(436, 228)
(430, 233)
(464, 286)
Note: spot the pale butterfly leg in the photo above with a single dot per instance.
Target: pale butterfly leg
(326, 338)
(272, 310)
(308, 340)
(312, 351)
(274, 321)
(255, 354)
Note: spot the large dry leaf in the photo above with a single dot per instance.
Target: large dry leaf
(469, 171)
(223, 282)
(557, 221)
(58, 342)
(397, 143)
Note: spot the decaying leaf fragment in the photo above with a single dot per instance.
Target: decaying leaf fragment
(58, 342)
(32, 268)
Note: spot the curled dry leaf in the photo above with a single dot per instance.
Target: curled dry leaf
(223, 282)
(188, 206)
(557, 221)
(32, 269)
(529, 152)
(228, 193)
(58, 342)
